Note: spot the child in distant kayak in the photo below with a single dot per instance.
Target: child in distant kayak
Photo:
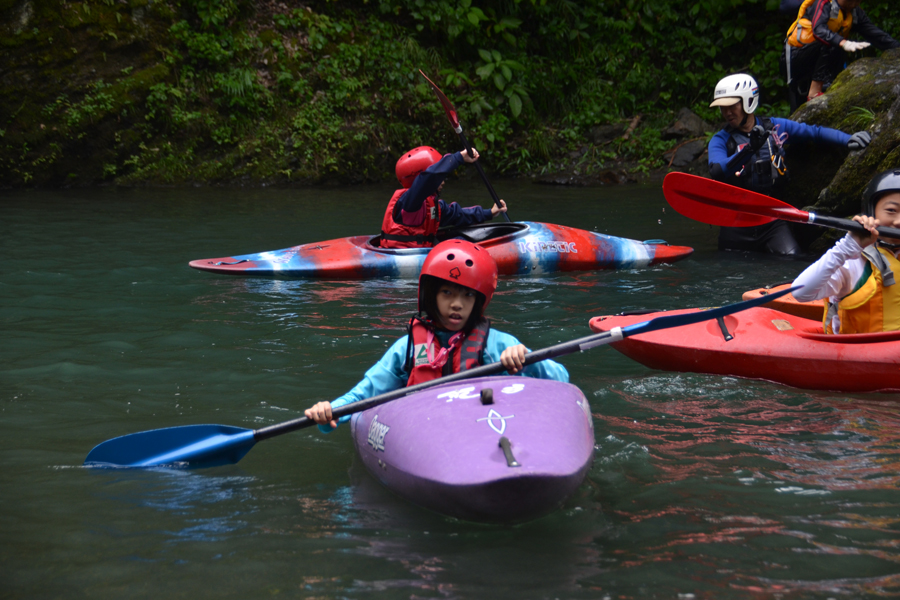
(449, 333)
(416, 211)
(857, 274)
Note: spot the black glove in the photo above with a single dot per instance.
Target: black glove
(758, 137)
(859, 140)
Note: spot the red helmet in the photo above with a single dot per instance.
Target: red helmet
(463, 263)
(414, 162)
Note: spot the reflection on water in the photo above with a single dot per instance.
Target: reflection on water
(781, 473)
(188, 495)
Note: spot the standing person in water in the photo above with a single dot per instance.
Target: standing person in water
(749, 153)
(416, 211)
(857, 274)
(449, 333)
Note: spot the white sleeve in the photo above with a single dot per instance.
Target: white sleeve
(833, 275)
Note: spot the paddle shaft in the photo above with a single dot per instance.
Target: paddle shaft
(481, 172)
(562, 349)
(718, 203)
(789, 213)
(457, 127)
(212, 445)
(848, 225)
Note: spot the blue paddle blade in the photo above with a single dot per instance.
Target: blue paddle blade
(190, 446)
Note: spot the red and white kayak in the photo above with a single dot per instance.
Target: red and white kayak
(761, 343)
(523, 248)
(814, 310)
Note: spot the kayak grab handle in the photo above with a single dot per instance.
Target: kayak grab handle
(507, 453)
(487, 396)
(725, 333)
(222, 262)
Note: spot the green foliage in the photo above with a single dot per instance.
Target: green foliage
(862, 118)
(330, 89)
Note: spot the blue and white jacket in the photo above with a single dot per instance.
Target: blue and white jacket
(390, 373)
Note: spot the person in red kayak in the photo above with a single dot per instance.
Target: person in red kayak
(750, 153)
(416, 211)
(449, 333)
(858, 274)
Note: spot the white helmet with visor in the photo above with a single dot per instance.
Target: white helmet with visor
(737, 88)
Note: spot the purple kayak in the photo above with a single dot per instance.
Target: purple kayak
(492, 449)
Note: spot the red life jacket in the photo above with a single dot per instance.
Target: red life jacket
(396, 235)
(425, 360)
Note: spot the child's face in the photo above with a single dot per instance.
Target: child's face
(887, 210)
(454, 304)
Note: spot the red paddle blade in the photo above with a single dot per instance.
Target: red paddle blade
(716, 203)
(448, 108)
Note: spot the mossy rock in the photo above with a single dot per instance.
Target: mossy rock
(865, 96)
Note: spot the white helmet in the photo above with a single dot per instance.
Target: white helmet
(735, 88)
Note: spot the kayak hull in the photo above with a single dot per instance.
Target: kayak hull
(441, 448)
(768, 345)
(814, 310)
(519, 248)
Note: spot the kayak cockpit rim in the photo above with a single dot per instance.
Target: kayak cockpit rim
(485, 234)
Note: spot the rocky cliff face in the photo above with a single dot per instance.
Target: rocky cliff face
(865, 96)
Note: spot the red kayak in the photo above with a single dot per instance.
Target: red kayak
(761, 343)
(814, 310)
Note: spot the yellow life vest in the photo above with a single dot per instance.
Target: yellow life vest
(801, 32)
(875, 305)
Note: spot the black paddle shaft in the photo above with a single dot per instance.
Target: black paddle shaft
(209, 445)
(584, 343)
(850, 225)
(561, 349)
(457, 127)
(481, 172)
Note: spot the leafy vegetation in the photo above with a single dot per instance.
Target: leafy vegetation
(234, 90)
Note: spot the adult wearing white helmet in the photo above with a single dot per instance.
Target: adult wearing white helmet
(749, 152)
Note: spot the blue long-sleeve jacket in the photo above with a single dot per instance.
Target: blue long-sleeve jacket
(427, 184)
(723, 166)
(390, 373)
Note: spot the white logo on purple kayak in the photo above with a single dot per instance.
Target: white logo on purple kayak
(561, 247)
(495, 416)
(514, 388)
(459, 394)
(377, 431)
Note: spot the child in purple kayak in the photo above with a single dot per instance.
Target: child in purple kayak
(416, 211)
(449, 334)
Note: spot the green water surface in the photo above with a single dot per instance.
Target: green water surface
(702, 486)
